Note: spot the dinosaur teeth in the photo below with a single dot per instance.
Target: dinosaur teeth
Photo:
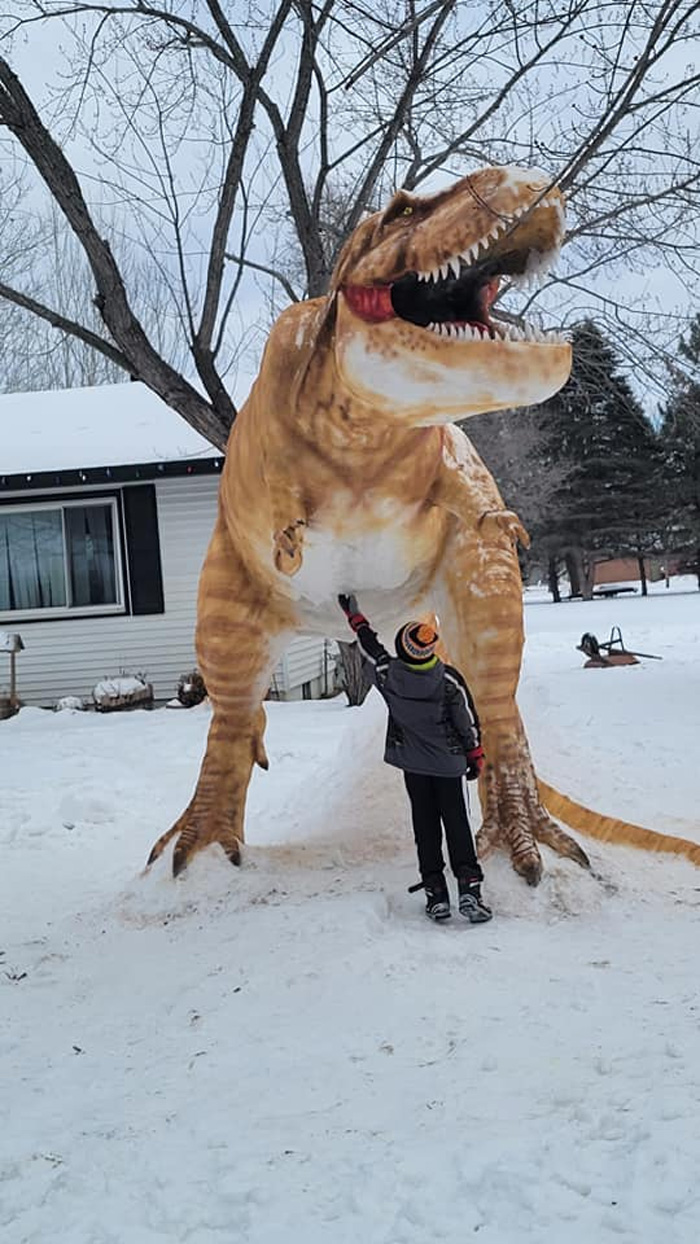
(538, 263)
(530, 333)
(517, 333)
(536, 269)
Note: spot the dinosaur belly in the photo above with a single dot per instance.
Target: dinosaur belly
(385, 558)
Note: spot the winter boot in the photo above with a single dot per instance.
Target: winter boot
(471, 903)
(437, 897)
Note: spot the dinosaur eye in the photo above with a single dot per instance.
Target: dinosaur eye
(400, 205)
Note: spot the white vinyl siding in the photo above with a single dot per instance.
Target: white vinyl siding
(307, 660)
(68, 657)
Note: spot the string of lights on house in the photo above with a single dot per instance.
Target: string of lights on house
(75, 477)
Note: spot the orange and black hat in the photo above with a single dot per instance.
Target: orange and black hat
(416, 643)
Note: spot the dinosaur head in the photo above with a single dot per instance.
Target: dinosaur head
(417, 336)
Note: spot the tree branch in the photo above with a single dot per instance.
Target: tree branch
(261, 267)
(18, 113)
(72, 327)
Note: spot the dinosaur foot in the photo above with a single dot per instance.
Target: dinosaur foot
(190, 839)
(520, 834)
(508, 522)
(518, 841)
(554, 837)
(288, 545)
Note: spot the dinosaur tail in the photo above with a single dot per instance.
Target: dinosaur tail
(611, 829)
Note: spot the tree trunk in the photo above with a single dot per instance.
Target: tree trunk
(642, 574)
(355, 683)
(580, 573)
(553, 580)
(573, 571)
(587, 577)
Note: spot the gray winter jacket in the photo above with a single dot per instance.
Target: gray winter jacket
(432, 719)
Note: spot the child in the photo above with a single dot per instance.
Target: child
(433, 735)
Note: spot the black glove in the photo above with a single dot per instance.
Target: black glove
(475, 763)
(351, 609)
(348, 604)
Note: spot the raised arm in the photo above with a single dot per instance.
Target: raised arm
(375, 657)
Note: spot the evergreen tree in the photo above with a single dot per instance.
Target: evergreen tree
(680, 445)
(610, 499)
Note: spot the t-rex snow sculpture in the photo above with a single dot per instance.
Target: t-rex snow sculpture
(343, 473)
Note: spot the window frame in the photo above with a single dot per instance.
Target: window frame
(109, 500)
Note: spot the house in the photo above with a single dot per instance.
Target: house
(107, 503)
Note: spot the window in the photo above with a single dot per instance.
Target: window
(55, 558)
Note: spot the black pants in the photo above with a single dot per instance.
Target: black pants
(438, 801)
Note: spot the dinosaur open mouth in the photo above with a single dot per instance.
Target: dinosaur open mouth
(455, 299)
(462, 299)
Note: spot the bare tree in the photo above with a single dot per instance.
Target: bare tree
(238, 145)
(34, 355)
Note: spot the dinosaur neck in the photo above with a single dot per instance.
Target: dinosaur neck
(355, 435)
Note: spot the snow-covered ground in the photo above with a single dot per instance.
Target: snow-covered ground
(290, 1052)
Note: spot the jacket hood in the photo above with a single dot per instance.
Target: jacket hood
(416, 684)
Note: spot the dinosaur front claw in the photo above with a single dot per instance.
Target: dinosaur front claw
(288, 544)
(508, 522)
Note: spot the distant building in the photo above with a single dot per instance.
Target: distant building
(626, 569)
(107, 503)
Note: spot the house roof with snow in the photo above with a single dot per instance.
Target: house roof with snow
(90, 435)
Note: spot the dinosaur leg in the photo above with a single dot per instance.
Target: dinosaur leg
(239, 639)
(482, 623)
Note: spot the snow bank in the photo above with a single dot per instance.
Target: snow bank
(289, 1051)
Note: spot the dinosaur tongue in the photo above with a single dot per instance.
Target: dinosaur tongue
(489, 290)
(485, 299)
(370, 302)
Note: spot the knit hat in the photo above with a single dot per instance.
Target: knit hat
(416, 643)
